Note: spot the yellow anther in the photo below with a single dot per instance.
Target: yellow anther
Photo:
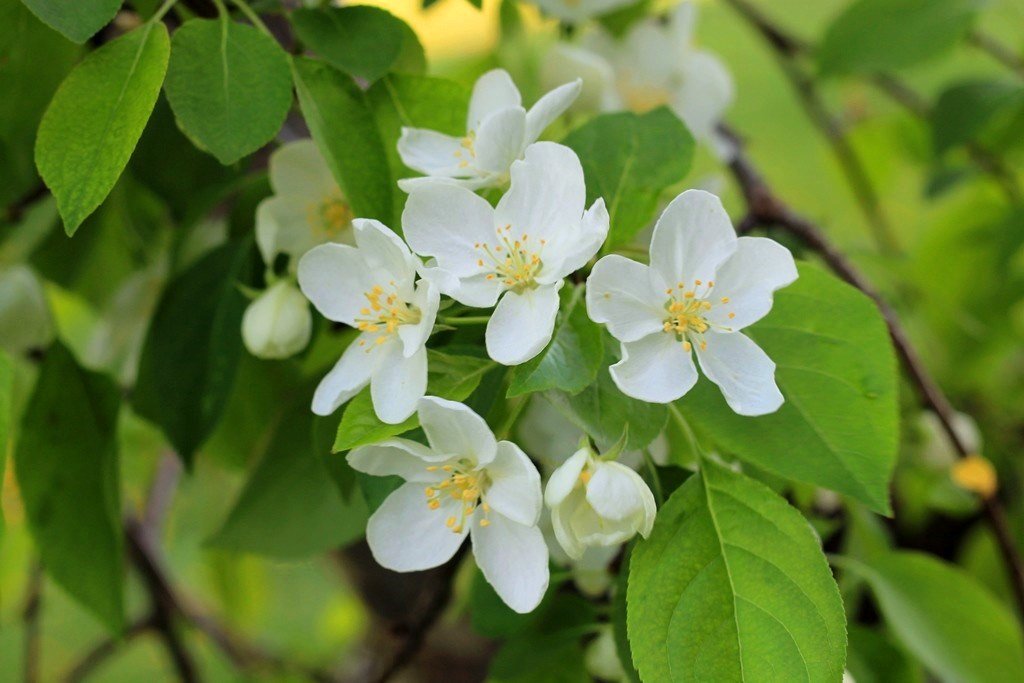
(687, 346)
(485, 522)
(433, 504)
(725, 299)
(450, 522)
(432, 468)
(975, 474)
(585, 476)
(731, 316)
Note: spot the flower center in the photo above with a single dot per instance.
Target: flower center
(384, 313)
(687, 310)
(464, 485)
(642, 97)
(467, 150)
(515, 262)
(330, 218)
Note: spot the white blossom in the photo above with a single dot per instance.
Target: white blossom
(464, 483)
(578, 11)
(372, 287)
(277, 324)
(594, 502)
(703, 286)
(498, 131)
(514, 256)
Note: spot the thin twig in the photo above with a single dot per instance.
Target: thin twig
(997, 51)
(767, 210)
(102, 651)
(30, 616)
(786, 52)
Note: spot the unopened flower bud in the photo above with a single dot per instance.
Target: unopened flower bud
(278, 324)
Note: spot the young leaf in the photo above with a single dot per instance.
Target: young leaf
(362, 41)
(450, 377)
(732, 585)
(572, 359)
(602, 411)
(344, 129)
(965, 110)
(95, 118)
(945, 617)
(188, 361)
(66, 462)
(630, 159)
(835, 366)
(78, 20)
(876, 35)
(412, 101)
(290, 508)
(229, 84)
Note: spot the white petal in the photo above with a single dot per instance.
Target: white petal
(278, 324)
(407, 459)
(692, 238)
(446, 221)
(707, 91)
(454, 428)
(515, 485)
(546, 199)
(592, 529)
(748, 279)
(682, 23)
(479, 291)
(514, 560)
(386, 255)
(627, 296)
(491, 92)
(398, 382)
(334, 277)
(427, 299)
(647, 63)
(405, 535)
(283, 227)
(563, 480)
(298, 169)
(593, 230)
(346, 379)
(475, 182)
(744, 372)
(550, 107)
(432, 153)
(522, 324)
(561, 515)
(656, 369)
(565, 61)
(499, 141)
(616, 492)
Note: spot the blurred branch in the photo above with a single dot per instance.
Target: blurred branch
(30, 615)
(765, 209)
(104, 649)
(786, 50)
(997, 51)
(788, 47)
(13, 212)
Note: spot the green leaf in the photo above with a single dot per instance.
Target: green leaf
(839, 425)
(732, 585)
(6, 413)
(66, 462)
(944, 617)
(559, 610)
(964, 111)
(97, 115)
(630, 159)
(362, 41)
(229, 84)
(418, 102)
(290, 508)
(540, 658)
(344, 129)
(191, 352)
(602, 411)
(878, 35)
(572, 359)
(79, 20)
(450, 377)
(618, 618)
(872, 658)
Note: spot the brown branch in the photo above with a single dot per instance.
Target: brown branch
(997, 51)
(30, 616)
(766, 209)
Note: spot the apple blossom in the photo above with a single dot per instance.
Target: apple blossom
(498, 131)
(702, 287)
(278, 323)
(516, 255)
(464, 483)
(597, 502)
(372, 287)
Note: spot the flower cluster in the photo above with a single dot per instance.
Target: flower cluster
(701, 287)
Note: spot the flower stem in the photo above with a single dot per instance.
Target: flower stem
(467, 320)
(659, 493)
(252, 16)
(164, 8)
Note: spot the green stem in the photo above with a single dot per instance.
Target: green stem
(467, 320)
(685, 428)
(221, 9)
(659, 493)
(164, 9)
(518, 405)
(252, 16)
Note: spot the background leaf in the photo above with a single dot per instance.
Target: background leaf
(67, 468)
(96, 117)
(630, 159)
(362, 41)
(344, 129)
(945, 617)
(572, 360)
(965, 110)
(229, 84)
(732, 585)
(192, 348)
(876, 35)
(839, 425)
(76, 19)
